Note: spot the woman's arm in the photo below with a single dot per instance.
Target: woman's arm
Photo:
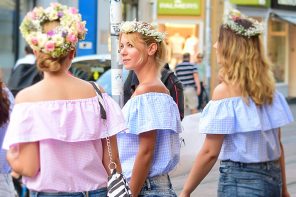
(204, 162)
(24, 158)
(285, 192)
(143, 161)
(115, 155)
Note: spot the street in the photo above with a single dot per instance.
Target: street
(208, 187)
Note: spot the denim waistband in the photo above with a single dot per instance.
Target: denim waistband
(85, 193)
(161, 179)
(259, 165)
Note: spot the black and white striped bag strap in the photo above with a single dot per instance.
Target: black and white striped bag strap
(112, 164)
(100, 100)
(117, 184)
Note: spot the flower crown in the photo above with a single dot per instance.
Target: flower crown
(230, 21)
(142, 28)
(59, 41)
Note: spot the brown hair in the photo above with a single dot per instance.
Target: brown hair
(160, 54)
(4, 105)
(44, 61)
(244, 63)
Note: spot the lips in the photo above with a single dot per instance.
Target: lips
(125, 61)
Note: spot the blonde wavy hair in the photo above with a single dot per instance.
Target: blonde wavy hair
(244, 64)
(160, 55)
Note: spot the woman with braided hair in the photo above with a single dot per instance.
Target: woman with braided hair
(57, 135)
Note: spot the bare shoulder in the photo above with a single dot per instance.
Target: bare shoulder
(27, 94)
(221, 92)
(149, 87)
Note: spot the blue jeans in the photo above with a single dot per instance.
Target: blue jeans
(250, 179)
(158, 186)
(95, 193)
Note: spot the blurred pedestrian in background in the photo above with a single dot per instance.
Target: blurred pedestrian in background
(56, 136)
(29, 57)
(150, 148)
(6, 103)
(187, 73)
(243, 120)
(24, 73)
(203, 98)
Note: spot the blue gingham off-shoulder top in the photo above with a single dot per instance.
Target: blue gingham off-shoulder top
(146, 112)
(251, 132)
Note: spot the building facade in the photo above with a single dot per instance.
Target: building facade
(279, 18)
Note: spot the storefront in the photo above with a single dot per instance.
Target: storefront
(11, 42)
(12, 47)
(282, 44)
(279, 21)
(182, 20)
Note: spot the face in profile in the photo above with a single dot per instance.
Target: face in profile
(130, 55)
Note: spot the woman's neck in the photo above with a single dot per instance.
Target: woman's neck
(56, 75)
(148, 72)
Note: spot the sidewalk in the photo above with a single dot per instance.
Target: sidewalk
(208, 187)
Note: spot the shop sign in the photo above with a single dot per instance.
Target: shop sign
(179, 7)
(284, 4)
(251, 2)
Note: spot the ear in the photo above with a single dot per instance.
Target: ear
(152, 49)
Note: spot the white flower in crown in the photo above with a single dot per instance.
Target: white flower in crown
(142, 28)
(231, 19)
(128, 27)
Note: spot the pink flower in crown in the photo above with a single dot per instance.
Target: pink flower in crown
(73, 10)
(235, 15)
(54, 5)
(34, 41)
(235, 18)
(80, 27)
(72, 38)
(49, 46)
(31, 15)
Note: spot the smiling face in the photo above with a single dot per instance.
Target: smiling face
(131, 50)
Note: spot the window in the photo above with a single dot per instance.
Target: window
(278, 48)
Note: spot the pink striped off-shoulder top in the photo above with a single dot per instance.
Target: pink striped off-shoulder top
(69, 134)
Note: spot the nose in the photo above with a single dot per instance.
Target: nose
(215, 45)
(122, 51)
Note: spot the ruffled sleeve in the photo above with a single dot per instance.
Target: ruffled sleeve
(233, 115)
(115, 122)
(64, 120)
(151, 111)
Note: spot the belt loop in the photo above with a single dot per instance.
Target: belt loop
(86, 194)
(148, 184)
(268, 165)
(169, 179)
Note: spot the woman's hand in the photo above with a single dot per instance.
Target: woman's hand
(24, 158)
(285, 193)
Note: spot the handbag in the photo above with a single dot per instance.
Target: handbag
(117, 185)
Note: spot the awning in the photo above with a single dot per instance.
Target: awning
(285, 17)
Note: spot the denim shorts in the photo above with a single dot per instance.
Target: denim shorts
(158, 186)
(250, 179)
(6, 186)
(94, 193)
